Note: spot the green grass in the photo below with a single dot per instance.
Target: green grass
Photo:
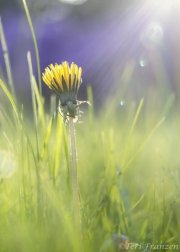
(128, 170)
(128, 173)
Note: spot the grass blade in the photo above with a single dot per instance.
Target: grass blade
(10, 97)
(6, 59)
(34, 42)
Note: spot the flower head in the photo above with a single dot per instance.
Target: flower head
(64, 80)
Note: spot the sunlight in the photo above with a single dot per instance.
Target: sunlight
(163, 7)
(75, 2)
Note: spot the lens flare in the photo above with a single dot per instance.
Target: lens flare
(152, 35)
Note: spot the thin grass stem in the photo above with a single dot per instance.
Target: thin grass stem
(34, 42)
(6, 60)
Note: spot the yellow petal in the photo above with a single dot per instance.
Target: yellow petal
(66, 72)
(79, 76)
(59, 75)
(55, 74)
(72, 73)
(46, 81)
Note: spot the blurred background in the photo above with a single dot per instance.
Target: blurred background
(127, 45)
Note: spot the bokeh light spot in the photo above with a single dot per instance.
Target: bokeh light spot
(143, 62)
(152, 34)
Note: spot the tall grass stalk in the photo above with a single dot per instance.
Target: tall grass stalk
(6, 59)
(11, 100)
(28, 16)
(32, 91)
(35, 113)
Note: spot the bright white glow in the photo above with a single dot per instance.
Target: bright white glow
(121, 103)
(163, 3)
(163, 7)
(75, 2)
(143, 61)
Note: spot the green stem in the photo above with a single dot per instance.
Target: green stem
(73, 174)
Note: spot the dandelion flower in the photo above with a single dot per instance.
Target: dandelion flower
(64, 80)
